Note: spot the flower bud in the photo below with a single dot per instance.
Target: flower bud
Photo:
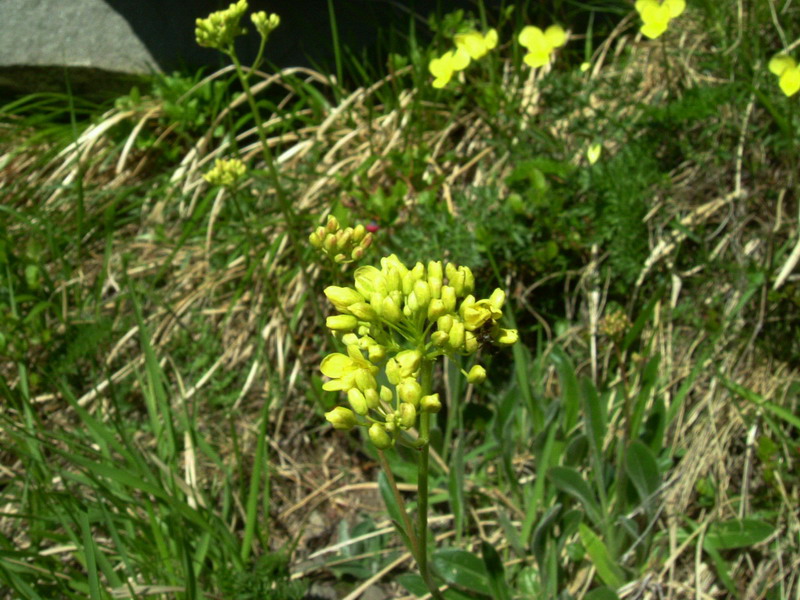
(418, 272)
(315, 240)
(342, 297)
(430, 404)
(341, 322)
(497, 299)
(363, 311)
(340, 259)
(359, 231)
(372, 398)
(406, 415)
(449, 298)
(457, 335)
(411, 304)
(332, 226)
(440, 338)
(390, 310)
(409, 361)
(394, 279)
(369, 280)
(393, 371)
(367, 241)
(423, 293)
(436, 309)
(507, 337)
(466, 303)
(386, 394)
(435, 270)
(329, 243)
(343, 238)
(350, 339)
(476, 375)
(445, 322)
(469, 280)
(357, 400)
(376, 353)
(435, 286)
(456, 281)
(450, 269)
(470, 343)
(410, 391)
(408, 283)
(365, 380)
(379, 436)
(341, 418)
(357, 253)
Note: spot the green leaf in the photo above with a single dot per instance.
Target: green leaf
(462, 568)
(570, 481)
(643, 470)
(455, 485)
(539, 542)
(496, 572)
(736, 533)
(607, 569)
(601, 593)
(570, 396)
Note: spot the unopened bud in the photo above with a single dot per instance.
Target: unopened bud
(372, 397)
(357, 253)
(390, 310)
(470, 343)
(430, 404)
(440, 338)
(497, 299)
(341, 418)
(341, 322)
(507, 337)
(332, 226)
(409, 361)
(476, 375)
(357, 400)
(359, 231)
(315, 240)
(393, 371)
(376, 353)
(342, 297)
(457, 335)
(423, 293)
(436, 309)
(448, 295)
(386, 394)
(365, 380)
(379, 436)
(363, 311)
(407, 415)
(410, 391)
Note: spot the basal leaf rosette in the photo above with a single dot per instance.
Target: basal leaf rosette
(395, 321)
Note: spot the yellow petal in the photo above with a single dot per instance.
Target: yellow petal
(472, 43)
(780, 63)
(536, 59)
(790, 81)
(555, 36)
(653, 30)
(337, 365)
(460, 60)
(642, 4)
(531, 37)
(593, 153)
(490, 39)
(676, 7)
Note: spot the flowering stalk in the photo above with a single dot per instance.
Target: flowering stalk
(404, 319)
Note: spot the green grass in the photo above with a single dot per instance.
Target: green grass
(161, 429)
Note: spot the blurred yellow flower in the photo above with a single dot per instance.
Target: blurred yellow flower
(593, 153)
(476, 44)
(541, 44)
(656, 15)
(226, 171)
(442, 68)
(785, 67)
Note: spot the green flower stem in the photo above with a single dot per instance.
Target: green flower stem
(399, 499)
(422, 484)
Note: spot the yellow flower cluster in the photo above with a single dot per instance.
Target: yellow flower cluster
(470, 45)
(541, 44)
(221, 28)
(785, 67)
(395, 322)
(226, 171)
(341, 245)
(657, 14)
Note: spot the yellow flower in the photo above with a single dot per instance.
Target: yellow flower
(220, 28)
(348, 371)
(541, 44)
(786, 69)
(657, 15)
(225, 172)
(475, 44)
(442, 68)
(593, 153)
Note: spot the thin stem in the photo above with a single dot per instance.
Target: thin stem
(422, 484)
(399, 499)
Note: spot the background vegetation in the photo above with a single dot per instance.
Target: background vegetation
(161, 430)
